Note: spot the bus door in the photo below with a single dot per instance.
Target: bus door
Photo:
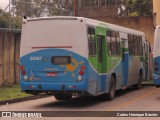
(101, 59)
(100, 62)
(125, 62)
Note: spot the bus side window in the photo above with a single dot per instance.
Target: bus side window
(129, 45)
(109, 42)
(144, 47)
(136, 45)
(99, 47)
(118, 43)
(113, 42)
(132, 45)
(141, 47)
(91, 41)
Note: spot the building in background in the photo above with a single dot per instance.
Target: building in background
(90, 8)
(156, 12)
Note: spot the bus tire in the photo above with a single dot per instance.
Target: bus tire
(63, 96)
(112, 89)
(139, 84)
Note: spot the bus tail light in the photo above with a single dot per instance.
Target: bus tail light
(81, 72)
(155, 64)
(83, 67)
(22, 67)
(23, 72)
(155, 69)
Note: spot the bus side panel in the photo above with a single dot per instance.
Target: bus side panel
(66, 78)
(134, 63)
(118, 71)
(156, 57)
(156, 71)
(125, 67)
(92, 85)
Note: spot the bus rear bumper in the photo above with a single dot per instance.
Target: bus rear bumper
(43, 87)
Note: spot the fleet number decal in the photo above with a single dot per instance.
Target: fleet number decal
(35, 58)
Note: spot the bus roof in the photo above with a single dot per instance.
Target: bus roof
(158, 26)
(92, 23)
(115, 27)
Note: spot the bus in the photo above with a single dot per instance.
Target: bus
(148, 61)
(156, 57)
(68, 56)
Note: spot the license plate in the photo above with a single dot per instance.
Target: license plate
(51, 74)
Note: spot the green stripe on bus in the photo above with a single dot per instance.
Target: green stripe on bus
(124, 49)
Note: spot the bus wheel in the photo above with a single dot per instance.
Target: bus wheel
(63, 96)
(112, 89)
(139, 85)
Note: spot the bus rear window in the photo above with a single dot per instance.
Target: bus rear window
(61, 60)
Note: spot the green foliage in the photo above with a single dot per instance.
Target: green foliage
(38, 8)
(133, 14)
(136, 8)
(14, 92)
(34, 8)
(4, 20)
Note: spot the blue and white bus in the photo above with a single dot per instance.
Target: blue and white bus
(156, 57)
(65, 56)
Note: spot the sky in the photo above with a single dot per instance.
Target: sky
(3, 3)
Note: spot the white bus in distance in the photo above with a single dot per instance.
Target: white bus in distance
(65, 56)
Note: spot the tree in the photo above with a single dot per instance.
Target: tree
(38, 8)
(35, 8)
(4, 20)
(135, 8)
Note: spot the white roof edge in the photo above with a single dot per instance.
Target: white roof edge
(39, 18)
(158, 26)
(125, 29)
(88, 20)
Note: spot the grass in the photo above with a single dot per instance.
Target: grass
(148, 82)
(13, 92)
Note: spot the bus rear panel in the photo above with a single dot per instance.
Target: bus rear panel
(52, 59)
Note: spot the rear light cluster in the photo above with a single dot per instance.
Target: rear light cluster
(155, 66)
(81, 72)
(23, 71)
